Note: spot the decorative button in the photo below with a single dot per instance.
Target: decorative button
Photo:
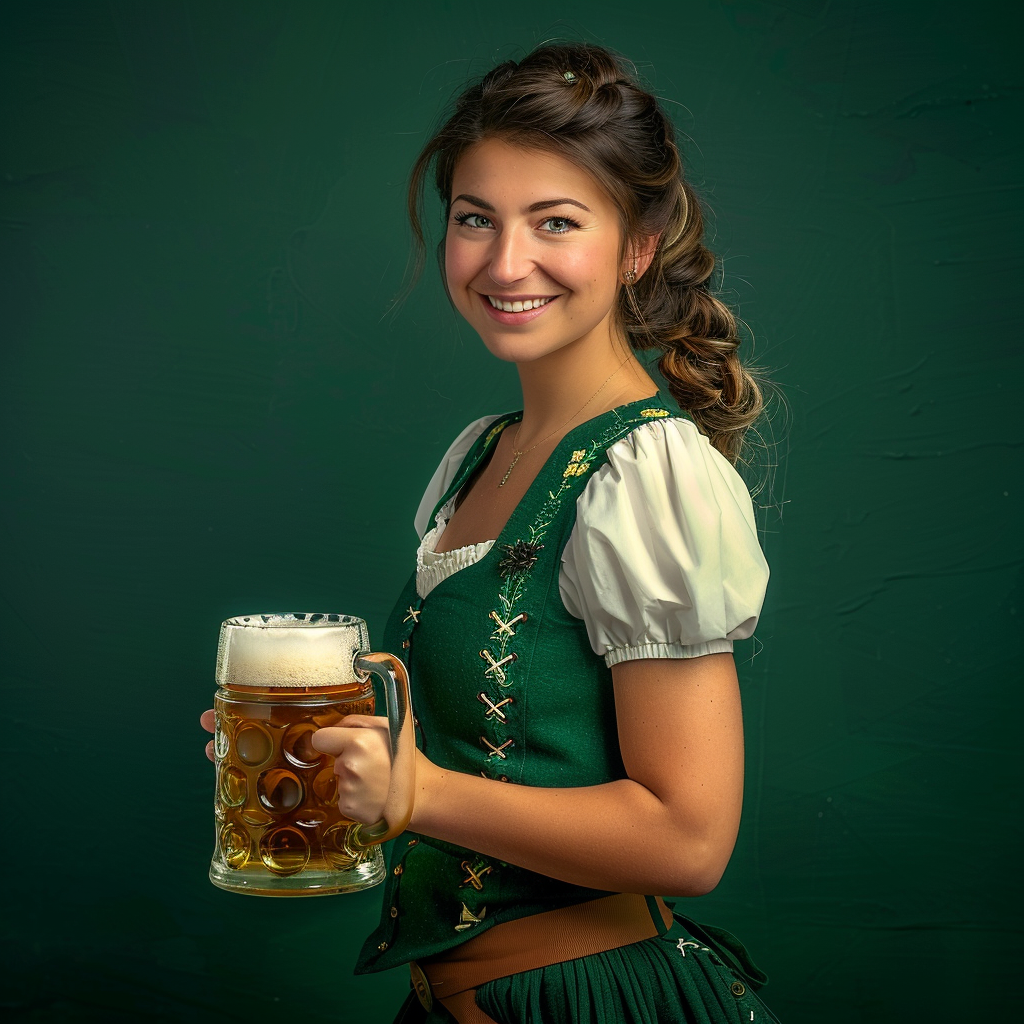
(413, 842)
(406, 644)
(383, 946)
(737, 988)
(394, 911)
(398, 870)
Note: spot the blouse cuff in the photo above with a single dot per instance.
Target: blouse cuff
(617, 654)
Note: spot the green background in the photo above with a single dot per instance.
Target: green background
(209, 411)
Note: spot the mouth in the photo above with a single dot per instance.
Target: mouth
(516, 311)
(521, 304)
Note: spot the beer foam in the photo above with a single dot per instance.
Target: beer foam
(290, 649)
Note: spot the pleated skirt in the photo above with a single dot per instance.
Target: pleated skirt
(693, 974)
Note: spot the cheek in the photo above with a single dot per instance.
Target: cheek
(589, 270)
(458, 262)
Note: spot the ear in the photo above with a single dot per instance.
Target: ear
(642, 253)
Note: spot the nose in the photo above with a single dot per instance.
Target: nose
(512, 256)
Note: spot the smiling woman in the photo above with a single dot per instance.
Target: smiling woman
(580, 580)
(570, 262)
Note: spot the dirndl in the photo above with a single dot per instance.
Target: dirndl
(692, 974)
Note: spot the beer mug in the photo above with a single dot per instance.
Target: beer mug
(280, 678)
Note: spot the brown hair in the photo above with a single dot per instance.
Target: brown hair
(579, 101)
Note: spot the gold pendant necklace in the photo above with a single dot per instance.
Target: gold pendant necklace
(511, 467)
(519, 454)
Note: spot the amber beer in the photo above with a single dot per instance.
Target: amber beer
(278, 828)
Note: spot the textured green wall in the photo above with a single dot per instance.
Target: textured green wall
(202, 228)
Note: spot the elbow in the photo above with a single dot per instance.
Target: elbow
(698, 883)
(696, 867)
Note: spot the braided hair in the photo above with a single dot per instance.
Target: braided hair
(581, 101)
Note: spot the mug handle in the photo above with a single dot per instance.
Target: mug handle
(398, 806)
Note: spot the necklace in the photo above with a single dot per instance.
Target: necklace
(519, 454)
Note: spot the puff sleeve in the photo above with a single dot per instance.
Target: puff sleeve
(663, 561)
(446, 470)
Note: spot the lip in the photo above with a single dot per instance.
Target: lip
(515, 319)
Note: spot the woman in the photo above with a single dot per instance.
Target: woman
(585, 565)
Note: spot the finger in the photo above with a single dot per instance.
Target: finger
(363, 722)
(332, 739)
(209, 751)
(208, 720)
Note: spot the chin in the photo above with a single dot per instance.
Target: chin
(517, 349)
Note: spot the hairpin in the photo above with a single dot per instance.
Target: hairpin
(568, 76)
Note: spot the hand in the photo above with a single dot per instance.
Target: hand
(362, 761)
(209, 722)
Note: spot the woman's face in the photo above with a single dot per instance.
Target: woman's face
(527, 225)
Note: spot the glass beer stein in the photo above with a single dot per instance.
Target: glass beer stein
(279, 830)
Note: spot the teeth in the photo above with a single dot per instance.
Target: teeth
(516, 307)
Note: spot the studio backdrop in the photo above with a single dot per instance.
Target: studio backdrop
(211, 407)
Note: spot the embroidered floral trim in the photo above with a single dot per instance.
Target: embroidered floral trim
(497, 429)
(515, 570)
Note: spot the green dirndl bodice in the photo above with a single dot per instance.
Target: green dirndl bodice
(505, 684)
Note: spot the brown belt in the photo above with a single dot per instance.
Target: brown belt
(531, 942)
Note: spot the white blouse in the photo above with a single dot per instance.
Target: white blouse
(663, 561)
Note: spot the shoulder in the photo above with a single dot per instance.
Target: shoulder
(664, 459)
(466, 437)
(449, 466)
(663, 559)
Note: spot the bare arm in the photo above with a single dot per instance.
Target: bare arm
(669, 828)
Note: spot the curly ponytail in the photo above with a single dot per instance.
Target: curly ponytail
(581, 102)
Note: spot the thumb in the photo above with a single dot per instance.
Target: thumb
(331, 740)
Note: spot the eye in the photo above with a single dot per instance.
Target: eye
(563, 225)
(463, 218)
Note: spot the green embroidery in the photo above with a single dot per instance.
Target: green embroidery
(516, 567)
(497, 429)
(514, 586)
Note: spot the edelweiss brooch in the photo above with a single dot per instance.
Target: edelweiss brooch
(521, 556)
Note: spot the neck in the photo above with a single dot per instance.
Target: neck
(556, 386)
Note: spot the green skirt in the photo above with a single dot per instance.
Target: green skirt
(693, 974)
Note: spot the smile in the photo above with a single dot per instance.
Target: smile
(518, 306)
(518, 311)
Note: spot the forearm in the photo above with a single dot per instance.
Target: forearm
(617, 836)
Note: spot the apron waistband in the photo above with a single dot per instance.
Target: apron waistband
(538, 940)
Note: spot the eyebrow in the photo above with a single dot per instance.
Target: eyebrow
(544, 204)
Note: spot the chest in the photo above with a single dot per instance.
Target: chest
(485, 503)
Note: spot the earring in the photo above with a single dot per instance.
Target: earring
(630, 275)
